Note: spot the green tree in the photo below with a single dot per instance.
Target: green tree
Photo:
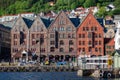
(117, 3)
(116, 11)
(73, 5)
(89, 3)
(102, 12)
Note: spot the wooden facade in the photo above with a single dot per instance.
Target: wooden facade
(90, 37)
(19, 37)
(38, 37)
(62, 36)
(58, 38)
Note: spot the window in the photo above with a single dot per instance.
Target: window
(100, 35)
(60, 35)
(61, 28)
(41, 29)
(52, 49)
(90, 35)
(83, 28)
(95, 28)
(42, 50)
(89, 49)
(104, 61)
(61, 42)
(83, 50)
(15, 36)
(15, 42)
(83, 42)
(96, 49)
(70, 42)
(79, 42)
(96, 36)
(69, 35)
(51, 35)
(61, 22)
(33, 42)
(68, 29)
(55, 29)
(90, 43)
(52, 42)
(96, 43)
(73, 35)
(79, 35)
(87, 28)
(99, 42)
(70, 49)
(37, 35)
(61, 50)
(79, 49)
(33, 36)
(42, 35)
(100, 50)
(15, 50)
(83, 35)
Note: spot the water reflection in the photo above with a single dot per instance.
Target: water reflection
(44, 76)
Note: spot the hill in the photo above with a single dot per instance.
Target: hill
(20, 6)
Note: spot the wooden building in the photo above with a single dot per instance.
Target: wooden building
(90, 37)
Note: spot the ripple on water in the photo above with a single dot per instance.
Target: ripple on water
(42, 76)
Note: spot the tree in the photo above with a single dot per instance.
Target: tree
(89, 3)
(116, 11)
(102, 12)
(117, 3)
(73, 5)
(81, 2)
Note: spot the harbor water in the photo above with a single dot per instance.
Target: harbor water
(44, 76)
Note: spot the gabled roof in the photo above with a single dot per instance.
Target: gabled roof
(5, 27)
(9, 24)
(28, 21)
(52, 22)
(109, 40)
(46, 21)
(99, 21)
(75, 21)
(116, 51)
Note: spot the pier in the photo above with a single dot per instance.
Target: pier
(100, 73)
(37, 69)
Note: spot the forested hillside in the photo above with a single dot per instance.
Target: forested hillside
(20, 6)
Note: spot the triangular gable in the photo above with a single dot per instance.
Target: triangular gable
(116, 53)
(90, 17)
(37, 24)
(64, 17)
(111, 41)
(19, 24)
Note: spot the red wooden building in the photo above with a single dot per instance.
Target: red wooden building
(109, 46)
(90, 37)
